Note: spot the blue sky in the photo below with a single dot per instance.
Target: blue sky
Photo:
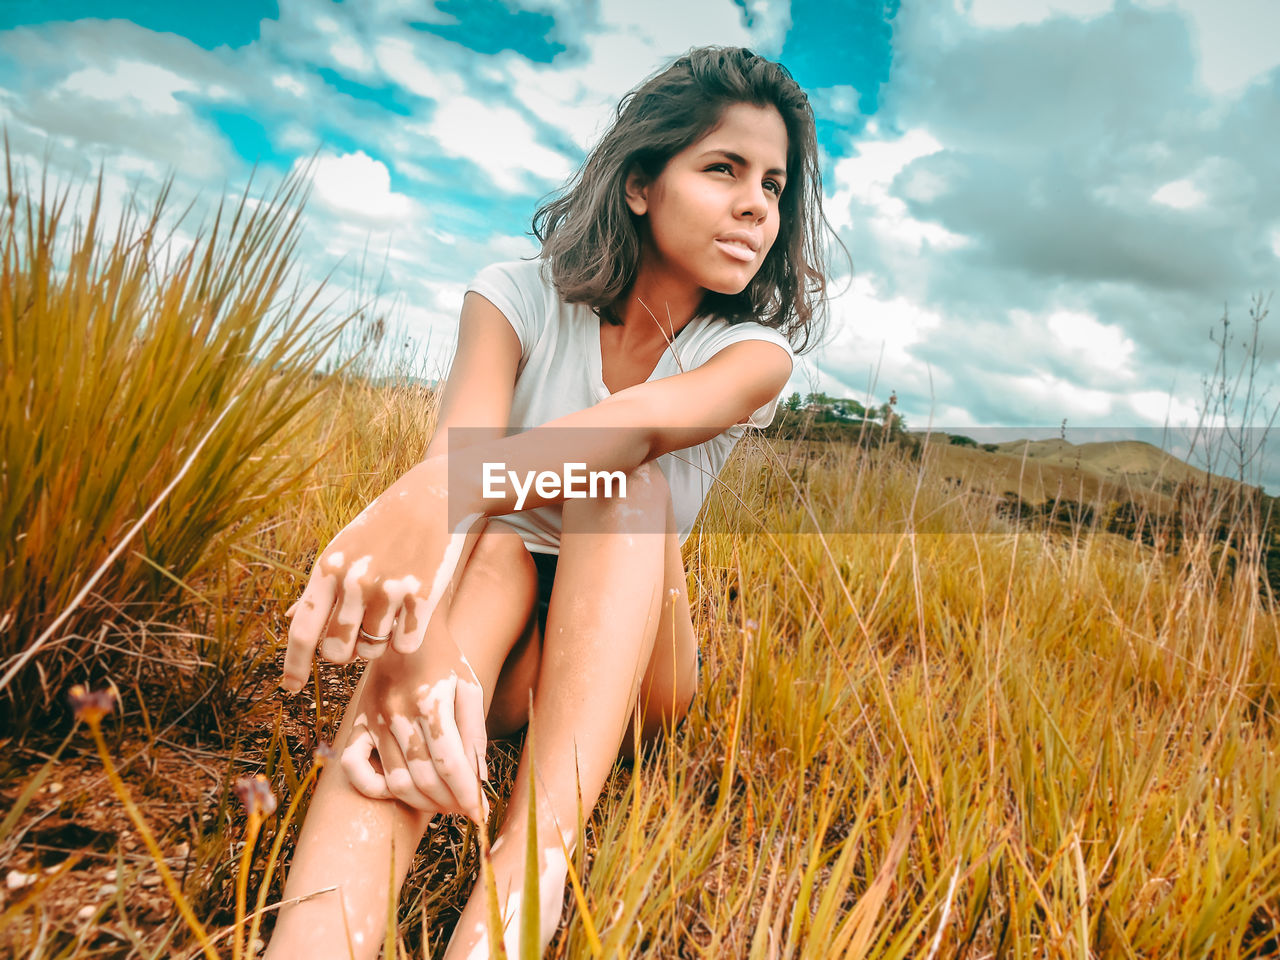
(1048, 203)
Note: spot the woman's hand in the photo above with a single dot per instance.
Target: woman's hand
(384, 576)
(406, 713)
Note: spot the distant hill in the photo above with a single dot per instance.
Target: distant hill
(1041, 470)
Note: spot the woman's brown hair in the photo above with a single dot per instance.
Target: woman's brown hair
(588, 233)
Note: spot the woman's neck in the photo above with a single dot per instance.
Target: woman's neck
(656, 308)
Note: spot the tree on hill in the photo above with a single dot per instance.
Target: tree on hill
(849, 409)
(820, 400)
(792, 402)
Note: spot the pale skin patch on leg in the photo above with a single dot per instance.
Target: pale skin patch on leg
(553, 874)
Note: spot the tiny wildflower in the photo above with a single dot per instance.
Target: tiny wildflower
(90, 705)
(325, 752)
(751, 626)
(255, 793)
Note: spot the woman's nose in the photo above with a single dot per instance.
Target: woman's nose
(753, 203)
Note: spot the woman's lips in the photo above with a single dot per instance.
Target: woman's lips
(736, 250)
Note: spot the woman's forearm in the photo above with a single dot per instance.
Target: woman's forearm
(495, 477)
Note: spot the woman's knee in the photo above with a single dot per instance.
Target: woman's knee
(500, 571)
(644, 494)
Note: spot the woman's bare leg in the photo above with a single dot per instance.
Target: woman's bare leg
(609, 601)
(347, 837)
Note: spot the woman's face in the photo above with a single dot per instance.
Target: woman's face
(727, 182)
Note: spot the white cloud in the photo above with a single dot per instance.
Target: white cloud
(357, 185)
(870, 339)
(1234, 39)
(1095, 346)
(1003, 14)
(1046, 396)
(1179, 194)
(148, 87)
(864, 181)
(348, 52)
(627, 43)
(396, 57)
(559, 98)
(498, 140)
(282, 81)
(1154, 407)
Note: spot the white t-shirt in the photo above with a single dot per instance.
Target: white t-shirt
(560, 373)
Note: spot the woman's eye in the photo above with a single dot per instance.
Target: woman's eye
(777, 188)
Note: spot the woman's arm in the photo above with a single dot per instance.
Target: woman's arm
(481, 382)
(631, 427)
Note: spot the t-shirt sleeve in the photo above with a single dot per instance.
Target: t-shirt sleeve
(514, 288)
(736, 333)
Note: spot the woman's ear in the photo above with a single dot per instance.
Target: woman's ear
(636, 190)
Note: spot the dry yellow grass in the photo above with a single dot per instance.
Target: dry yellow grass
(946, 737)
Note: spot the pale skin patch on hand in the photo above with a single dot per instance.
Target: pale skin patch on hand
(352, 610)
(452, 553)
(429, 706)
(401, 728)
(399, 588)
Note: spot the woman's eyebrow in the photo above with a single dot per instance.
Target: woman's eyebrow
(775, 172)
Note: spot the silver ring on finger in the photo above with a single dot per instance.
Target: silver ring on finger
(370, 638)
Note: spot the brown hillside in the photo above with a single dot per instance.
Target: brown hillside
(1050, 469)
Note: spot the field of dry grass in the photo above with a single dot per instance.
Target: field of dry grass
(947, 737)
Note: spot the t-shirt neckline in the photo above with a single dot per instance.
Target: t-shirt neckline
(591, 331)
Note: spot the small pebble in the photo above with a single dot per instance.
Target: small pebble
(182, 850)
(151, 880)
(109, 873)
(16, 879)
(107, 890)
(86, 912)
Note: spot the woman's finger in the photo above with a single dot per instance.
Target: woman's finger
(422, 769)
(396, 773)
(390, 618)
(357, 765)
(445, 745)
(469, 713)
(373, 649)
(313, 610)
(339, 644)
